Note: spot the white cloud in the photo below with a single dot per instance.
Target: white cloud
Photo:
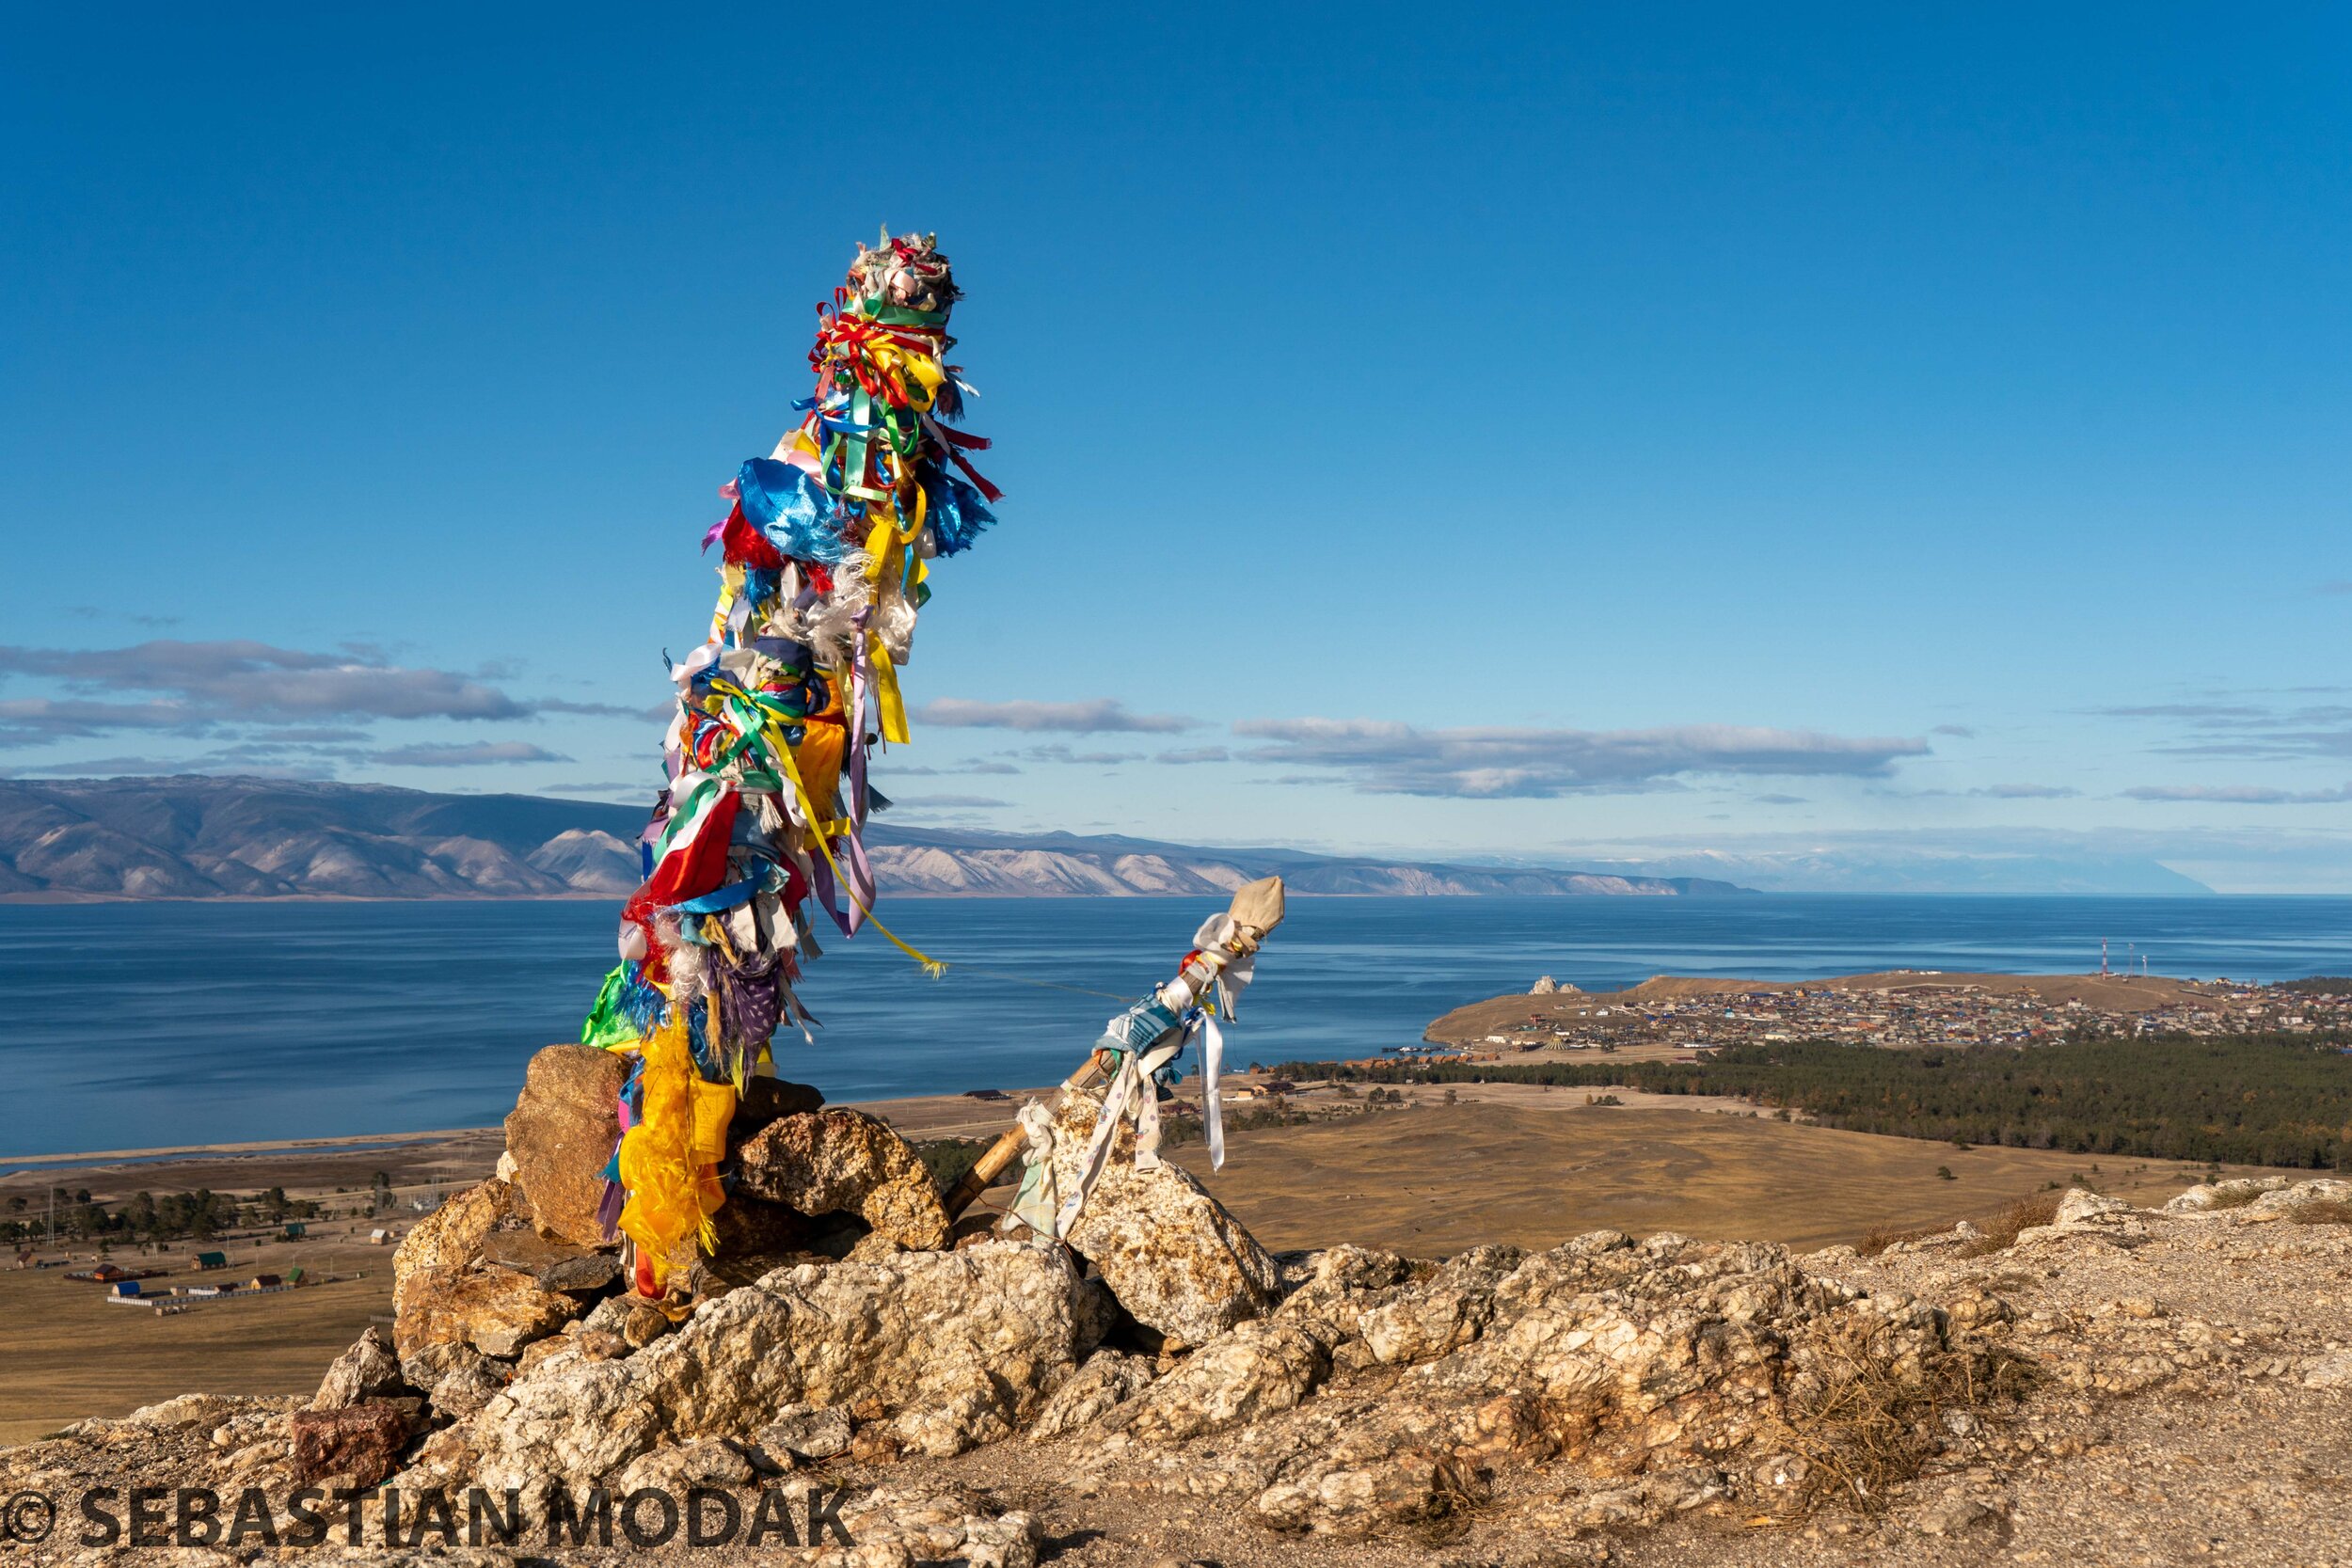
(1387, 757)
(2239, 795)
(37, 720)
(2248, 729)
(1061, 753)
(1099, 716)
(208, 683)
(2024, 792)
(428, 754)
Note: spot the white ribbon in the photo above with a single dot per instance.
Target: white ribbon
(1212, 1068)
(1216, 935)
(1033, 1205)
(1132, 1078)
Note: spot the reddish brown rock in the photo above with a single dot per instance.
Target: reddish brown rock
(551, 1265)
(561, 1135)
(845, 1162)
(554, 1344)
(754, 1236)
(362, 1442)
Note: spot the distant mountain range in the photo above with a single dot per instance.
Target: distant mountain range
(205, 838)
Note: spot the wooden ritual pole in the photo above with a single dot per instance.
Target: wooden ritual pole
(1256, 910)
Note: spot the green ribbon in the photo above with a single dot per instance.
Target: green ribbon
(900, 315)
(853, 447)
(606, 1025)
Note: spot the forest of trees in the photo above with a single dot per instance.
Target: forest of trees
(197, 1216)
(2252, 1100)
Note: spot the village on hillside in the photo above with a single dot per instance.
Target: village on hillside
(1898, 1009)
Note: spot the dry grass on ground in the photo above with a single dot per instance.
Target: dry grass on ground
(1872, 1422)
(1533, 1170)
(70, 1354)
(2000, 1228)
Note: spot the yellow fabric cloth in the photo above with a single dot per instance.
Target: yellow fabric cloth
(667, 1158)
(818, 757)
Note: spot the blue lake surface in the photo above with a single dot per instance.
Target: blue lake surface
(154, 1025)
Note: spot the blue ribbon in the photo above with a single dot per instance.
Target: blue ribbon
(727, 897)
(789, 507)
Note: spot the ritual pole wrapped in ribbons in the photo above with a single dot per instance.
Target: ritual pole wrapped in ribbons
(713, 1171)
(1137, 1048)
(825, 550)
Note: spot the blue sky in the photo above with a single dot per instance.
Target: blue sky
(1692, 434)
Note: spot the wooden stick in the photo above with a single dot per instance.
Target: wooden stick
(1257, 908)
(1009, 1147)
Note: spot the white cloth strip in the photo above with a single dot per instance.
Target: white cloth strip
(1134, 1077)
(1212, 1106)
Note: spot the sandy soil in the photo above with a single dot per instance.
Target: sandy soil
(69, 1354)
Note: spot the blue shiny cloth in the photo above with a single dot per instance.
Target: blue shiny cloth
(956, 511)
(789, 507)
(727, 897)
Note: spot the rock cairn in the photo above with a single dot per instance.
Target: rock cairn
(830, 1208)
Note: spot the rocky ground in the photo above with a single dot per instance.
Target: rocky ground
(2108, 1385)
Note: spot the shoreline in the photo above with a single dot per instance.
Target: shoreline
(13, 1163)
(915, 1116)
(946, 1114)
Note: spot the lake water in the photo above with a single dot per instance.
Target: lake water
(148, 1024)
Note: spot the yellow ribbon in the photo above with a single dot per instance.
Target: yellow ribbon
(894, 708)
(823, 830)
(730, 584)
(886, 539)
(886, 546)
(900, 362)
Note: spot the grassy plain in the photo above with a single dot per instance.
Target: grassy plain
(1513, 1163)
(70, 1354)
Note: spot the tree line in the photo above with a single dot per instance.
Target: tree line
(2269, 1099)
(197, 1216)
